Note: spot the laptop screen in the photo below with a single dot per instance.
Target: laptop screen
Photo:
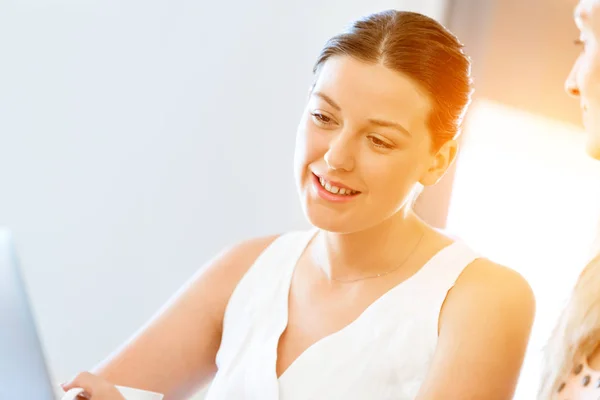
(23, 372)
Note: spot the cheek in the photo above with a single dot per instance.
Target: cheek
(391, 177)
(590, 76)
(299, 153)
(311, 144)
(308, 147)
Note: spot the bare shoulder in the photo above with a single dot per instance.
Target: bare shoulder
(486, 287)
(248, 250)
(220, 275)
(487, 291)
(496, 284)
(176, 350)
(485, 279)
(484, 328)
(235, 260)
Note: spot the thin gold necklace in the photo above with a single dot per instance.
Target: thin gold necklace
(381, 273)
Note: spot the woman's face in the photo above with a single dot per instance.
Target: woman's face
(363, 145)
(584, 80)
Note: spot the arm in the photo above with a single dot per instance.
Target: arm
(174, 354)
(484, 327)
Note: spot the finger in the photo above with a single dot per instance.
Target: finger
(73, 394)
(86, 381)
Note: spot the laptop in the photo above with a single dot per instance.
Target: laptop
(23, 370)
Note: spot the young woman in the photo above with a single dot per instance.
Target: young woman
(372, 303)
(572, 365)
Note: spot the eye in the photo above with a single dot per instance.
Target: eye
(321, 119)
(380, 143)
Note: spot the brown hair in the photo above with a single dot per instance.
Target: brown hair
(419, 47)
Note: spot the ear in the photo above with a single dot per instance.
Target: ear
(440, 162)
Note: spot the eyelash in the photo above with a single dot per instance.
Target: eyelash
(322, 119)
(325, 120)
(381, 144)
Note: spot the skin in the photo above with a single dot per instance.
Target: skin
(583, 82)
(364, 126)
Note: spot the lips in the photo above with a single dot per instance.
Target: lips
(335, 187)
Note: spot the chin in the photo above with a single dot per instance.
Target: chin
(328, 220)
(331, 225)
(594, 151)
(327, 217)
(338, 221)
(593, 146)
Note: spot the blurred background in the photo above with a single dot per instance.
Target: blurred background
(140, 137)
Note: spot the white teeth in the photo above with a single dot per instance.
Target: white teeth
(334, 189)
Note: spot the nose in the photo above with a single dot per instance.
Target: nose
(571, 85)
(339, 156)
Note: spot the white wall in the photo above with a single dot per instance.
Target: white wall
(139, 137)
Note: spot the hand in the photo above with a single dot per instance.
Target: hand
(94, 387)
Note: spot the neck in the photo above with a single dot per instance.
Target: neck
(371, 251)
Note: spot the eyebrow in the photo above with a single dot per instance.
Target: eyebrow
(328, 100)
(390, 124)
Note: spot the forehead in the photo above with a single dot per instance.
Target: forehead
(369, 88)
(587, 14)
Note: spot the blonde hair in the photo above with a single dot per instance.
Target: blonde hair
(577, 332)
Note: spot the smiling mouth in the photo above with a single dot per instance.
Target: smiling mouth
(332, 188)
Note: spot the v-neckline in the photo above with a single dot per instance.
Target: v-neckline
(286, 306)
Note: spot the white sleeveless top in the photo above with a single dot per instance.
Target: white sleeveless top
(384, 354)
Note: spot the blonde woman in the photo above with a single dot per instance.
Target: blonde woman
(572, 365)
